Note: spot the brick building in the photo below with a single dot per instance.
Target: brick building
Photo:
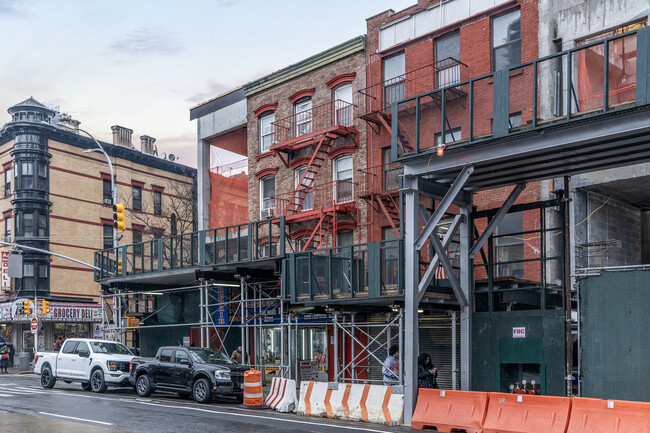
(57, 197)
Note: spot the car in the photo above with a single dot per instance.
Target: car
(97, 364)
(189, 371)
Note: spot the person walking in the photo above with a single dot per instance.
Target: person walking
(236, 356)
(427, 373)
(391, 366)
(4, 358)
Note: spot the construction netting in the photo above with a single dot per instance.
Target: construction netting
(229, 194)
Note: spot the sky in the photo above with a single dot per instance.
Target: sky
(143, 64)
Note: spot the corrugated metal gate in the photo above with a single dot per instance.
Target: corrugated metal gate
(614, 332)
(435, 339)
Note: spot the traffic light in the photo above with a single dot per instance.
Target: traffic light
(119, 266)
(26, 307)
(46, 307)
(118, 217)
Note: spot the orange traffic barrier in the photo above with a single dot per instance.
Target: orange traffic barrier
(591, 415)
(519, 413)
(253, 395)
(450, 410)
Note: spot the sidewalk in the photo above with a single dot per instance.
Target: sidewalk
(16, 370)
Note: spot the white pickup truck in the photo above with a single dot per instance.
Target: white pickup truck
(97, 364)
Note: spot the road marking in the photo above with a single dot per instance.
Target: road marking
(7, 395)
(75, 418)
(333, 426)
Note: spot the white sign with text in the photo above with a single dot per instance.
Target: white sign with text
(519, 332)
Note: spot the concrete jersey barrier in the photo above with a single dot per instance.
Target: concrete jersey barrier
(282, 396)
(370, 403)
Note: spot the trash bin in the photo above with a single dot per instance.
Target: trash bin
(23, 361)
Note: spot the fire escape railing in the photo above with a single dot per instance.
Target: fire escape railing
(380, 178)
(310, 122)
(380, 96)
(320, 196)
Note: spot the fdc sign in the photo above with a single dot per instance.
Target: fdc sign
(519, 332)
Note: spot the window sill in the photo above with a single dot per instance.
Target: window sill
(263, 155)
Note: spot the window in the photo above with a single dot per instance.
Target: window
(69, 346)
(506, 40)
(308, 201)
(42, 226)
(267, 132)
(82, 347)
(448, 59)
(173, 224)
(7, 181)
(267, 196)
(166, 355)
(392, 171)
(345, 238)
(180, 355)
(8, 229)
(157, 203)
(136, 192)
(137, 239)
(394, 71)
(28, 225)
(42, 176)
(27, 174)
(389, 256)
(450, 136)
(108, 193)
(515, 120)
(28, 276)
(302, 115)
(509, 246)
(343, 179)
(108, 236)
(157, 234)
(343, 105)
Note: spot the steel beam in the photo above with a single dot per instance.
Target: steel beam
(412, 272)
(466, 284)
(446, 264)
(447, 200)
(498, 217)
(437, 190)
(428, 275)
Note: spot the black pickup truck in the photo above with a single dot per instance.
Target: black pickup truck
(189, 371)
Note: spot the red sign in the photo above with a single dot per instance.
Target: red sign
(34, 324)
(4, 268)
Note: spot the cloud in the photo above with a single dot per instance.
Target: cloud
(145, 42)
(10, 7)
(212, 90)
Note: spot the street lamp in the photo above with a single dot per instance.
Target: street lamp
(98, 149)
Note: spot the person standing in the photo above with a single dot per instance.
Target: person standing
(427, 373)
(236, 356)
(4, 358)
(391, 366)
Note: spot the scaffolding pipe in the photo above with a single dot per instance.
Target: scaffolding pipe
(401, 346)
(336, 345)
(454, 368)
(352, 351)
(202, 313)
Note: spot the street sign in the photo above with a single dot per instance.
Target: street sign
(34, 325)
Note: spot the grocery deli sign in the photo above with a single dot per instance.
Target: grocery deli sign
(59, 312)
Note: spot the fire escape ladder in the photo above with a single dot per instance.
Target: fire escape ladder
(319, 233)
(402, 135)
(307, 180)
(390, 210)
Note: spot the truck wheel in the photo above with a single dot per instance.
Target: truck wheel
(143, 386)
(85, 386)
(47, 378)
(201, 390)
(97, 383)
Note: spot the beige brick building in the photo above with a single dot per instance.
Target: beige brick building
(57, 197)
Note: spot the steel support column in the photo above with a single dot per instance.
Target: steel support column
(412, 273)
(466, 284)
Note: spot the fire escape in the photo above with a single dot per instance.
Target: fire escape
(379, 185)
(309, 136)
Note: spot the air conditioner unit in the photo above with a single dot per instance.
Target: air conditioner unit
(108, 201)
(267, 213)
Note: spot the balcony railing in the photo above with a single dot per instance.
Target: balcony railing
(381, 178)
(586, 81)
(319, 197)
(364, 271)
(322, 117)
(240, 243)
(380, 96)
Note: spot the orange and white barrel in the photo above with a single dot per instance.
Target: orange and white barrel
(253, 395)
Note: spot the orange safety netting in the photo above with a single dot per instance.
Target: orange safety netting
(228, 200)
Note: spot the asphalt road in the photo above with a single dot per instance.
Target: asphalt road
(25, 407)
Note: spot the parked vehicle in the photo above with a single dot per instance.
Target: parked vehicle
(189, 371)
(97, 364)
